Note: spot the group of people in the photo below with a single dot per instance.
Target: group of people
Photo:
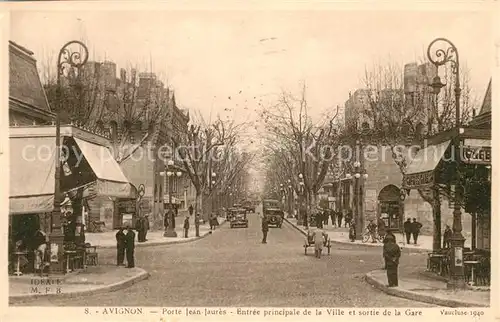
(322, 215)
(412, 228)
(125, 245)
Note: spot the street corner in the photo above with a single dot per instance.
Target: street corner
(97, 280)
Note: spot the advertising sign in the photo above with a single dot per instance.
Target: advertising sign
(459, 256)
(54, 250)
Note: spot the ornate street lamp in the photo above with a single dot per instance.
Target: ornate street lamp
(212, 190)
(440, 58)
(69, 63)
(358, 197)
(170, 173)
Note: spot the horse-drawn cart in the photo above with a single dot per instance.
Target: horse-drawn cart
(309, 242)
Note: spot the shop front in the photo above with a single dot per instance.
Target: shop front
(457, 164)
(88, 170)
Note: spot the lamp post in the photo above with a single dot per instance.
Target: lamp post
(212, 185)
(290, 197)
(358, 176)
(440, 58)
(170, 173)
(69, 62)
(302, 207)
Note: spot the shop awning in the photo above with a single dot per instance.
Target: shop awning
(111, 181)
(420, 171)
(32, 175)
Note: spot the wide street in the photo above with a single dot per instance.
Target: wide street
(232, 268)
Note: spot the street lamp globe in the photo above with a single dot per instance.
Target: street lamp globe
(214, 175)
(179, 173)
(289, 181)
(357, 164)
(213, 182)
(301, 183)
(162, 173)
(170, 173)
(289, 187)
(365, 175)
(348, 176)
(170, 163)
(281, 185)
(300, 175)
(357, 175)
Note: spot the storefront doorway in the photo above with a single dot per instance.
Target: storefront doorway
(391, 207)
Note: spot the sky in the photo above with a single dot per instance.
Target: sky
(227, 62)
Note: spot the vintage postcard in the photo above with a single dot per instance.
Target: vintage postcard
(259, 161)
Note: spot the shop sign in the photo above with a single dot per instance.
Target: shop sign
(417, 180)
(476, 155)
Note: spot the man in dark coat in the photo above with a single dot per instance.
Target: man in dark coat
(339, 218)
(120, 247)
(415, 231)
(186, 227)
(447, 237)
(388, 236)
(130, 247)
(352, 231)
(265, 229)
(333, 215)
(392, 253)
(197, 224)
(407, 226)
(324, 215)
(139, 226)
(348, 218)
(190, 209)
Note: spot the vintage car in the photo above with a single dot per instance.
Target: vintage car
(239, 219)
(230, 213)
(274, 217)
(249, 206)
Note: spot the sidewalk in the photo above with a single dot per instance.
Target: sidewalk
(341, 235)
(92, 280)
(154, 238)
(415, 286)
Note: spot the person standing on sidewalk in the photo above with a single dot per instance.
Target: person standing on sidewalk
(392, 253)
(197, 224)
(407, 226)
(352, 231)
(348, 218)
(339, 218)
(120, 247)
(130, 247)
(186, 227)
(447, 237)
(190, 209)
(265, 229)
(146, 226)
(388, 236)
(416, 226)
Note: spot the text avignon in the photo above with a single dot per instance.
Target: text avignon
(122, 310)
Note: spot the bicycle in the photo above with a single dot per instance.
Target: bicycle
(367, 235)
(95, 226)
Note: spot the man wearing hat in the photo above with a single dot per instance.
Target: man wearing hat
(120, 247)
(130, 246)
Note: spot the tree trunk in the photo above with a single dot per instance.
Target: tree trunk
(198, 207)
(436, 216)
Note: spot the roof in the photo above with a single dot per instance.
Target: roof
(24, 80)
(486, 106)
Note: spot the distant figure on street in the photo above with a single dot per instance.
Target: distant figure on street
(339, 218)
(120, 247)
(372, 229)
(142, 225)
(197, 224)
(265, 229)
(392, 253)
(407, 226)
(186, 227)
(333, 216)
(213, 221)
(348, 218)
(416, 226)
(447, 237)
(319, 238)
(146, 226)
(324, 215)
(190, 209)
(352, 231)
(130, 246)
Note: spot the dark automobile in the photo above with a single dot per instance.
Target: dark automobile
(230, 213)
(239, 219)
(274, 217)
(249, 206)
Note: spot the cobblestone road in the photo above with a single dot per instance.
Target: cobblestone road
(232, 268)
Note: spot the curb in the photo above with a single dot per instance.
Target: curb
(419, 297)
(414, 250)
(166, 242)
(142, 275)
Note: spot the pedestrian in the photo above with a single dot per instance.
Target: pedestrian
(392, 253)
(186, 227)
(387, 237)
(416, 226)
(339, 218)
(197, 224)
(213, 220)
(352, 231)
(319, 238)
(265, 229)
(130, 246)
(372, 229)
(138, 227)
(333, 215)
(381, 227)
(120, 247)
(166, 220)
(146, 227)
(324, 214)
(447, 237)
(407, 227)
(190, 209)
(348, 218)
